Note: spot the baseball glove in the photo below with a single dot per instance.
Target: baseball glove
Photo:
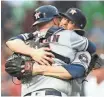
(19, 66)
(96, 62)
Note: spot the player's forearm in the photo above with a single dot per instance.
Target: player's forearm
(58, 75)
(19, 46)
(55, 71)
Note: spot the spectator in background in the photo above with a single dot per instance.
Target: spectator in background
(97, 32)
(64, 5)
(6, 21)
(8, 88)
(94, 86)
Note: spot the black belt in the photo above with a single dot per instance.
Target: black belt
(62, 58)
(58, 56)
(48, 92)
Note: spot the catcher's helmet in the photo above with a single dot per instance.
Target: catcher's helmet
(75, 15)
(44, 14)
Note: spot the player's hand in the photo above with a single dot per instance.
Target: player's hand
(37, 69)
(43, 56)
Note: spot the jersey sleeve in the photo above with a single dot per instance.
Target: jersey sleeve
(78, 42)
(23, 37)
(82, 58)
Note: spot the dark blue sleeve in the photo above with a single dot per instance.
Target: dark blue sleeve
(76, 70)
(91, 47)
(17, 37)
(23, 37)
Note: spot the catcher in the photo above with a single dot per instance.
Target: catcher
(62, 50)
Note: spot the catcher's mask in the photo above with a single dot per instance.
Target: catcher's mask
(75, 15)
(44, 14)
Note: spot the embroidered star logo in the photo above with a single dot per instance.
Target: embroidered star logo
(73, 11)
(44, 14)
(37, 15)
(81, 25)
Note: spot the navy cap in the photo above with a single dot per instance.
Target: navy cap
(44, 14)
(76, 15)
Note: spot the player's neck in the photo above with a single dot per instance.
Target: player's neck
(45, 27)
(43, 30)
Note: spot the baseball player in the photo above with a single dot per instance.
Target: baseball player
(60, 48)
(67, 23)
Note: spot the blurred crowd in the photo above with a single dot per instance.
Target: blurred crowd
(16, 18)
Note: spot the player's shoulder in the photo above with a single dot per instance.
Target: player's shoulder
(72, 33)
(55, 29)
(75, 35)
(59, 29)
(65, 32)
(83, 52)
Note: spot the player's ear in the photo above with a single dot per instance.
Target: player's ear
(56, 21)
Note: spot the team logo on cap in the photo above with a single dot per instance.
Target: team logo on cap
(37, 15)
(73, 11)
(81, 25)
(44, 14)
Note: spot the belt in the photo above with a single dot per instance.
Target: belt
(62, 58)
(48, 92)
